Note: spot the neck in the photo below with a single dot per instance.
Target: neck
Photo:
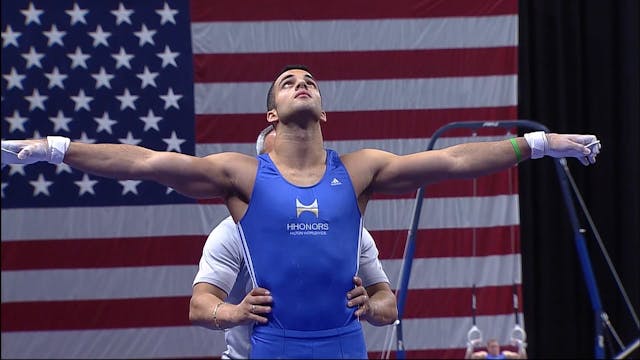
(299, 147)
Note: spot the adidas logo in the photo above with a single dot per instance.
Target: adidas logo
(335, 182)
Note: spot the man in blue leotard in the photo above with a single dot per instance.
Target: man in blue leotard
(299, 209)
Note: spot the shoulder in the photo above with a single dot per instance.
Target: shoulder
(224, 233)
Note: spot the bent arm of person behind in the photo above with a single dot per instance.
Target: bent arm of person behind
(379, 306)
(218, 275)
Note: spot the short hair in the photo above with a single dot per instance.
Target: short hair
(271, 99)
(260, 141)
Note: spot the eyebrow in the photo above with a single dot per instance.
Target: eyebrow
(306, 76)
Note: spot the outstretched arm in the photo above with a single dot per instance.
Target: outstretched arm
(393, 173)
(210, 176)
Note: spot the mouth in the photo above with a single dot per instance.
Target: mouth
(302, 93)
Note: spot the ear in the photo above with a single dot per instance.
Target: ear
(323, 117)
(272, 116)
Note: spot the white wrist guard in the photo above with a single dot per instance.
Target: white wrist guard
(58, 146)
(538, 143)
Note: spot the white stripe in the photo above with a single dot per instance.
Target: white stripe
(353, 35)
(197, 342)
(170, 281)
(138, 343)
(458, 272)
(441, 333)
(354, 95)
(175, 220)
(443, 213)
(396, 146)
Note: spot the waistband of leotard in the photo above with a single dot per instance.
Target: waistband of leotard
(353, 326)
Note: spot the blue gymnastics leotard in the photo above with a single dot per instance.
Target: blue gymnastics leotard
(302, 244)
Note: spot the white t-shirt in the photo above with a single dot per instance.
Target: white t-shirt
(222, 264)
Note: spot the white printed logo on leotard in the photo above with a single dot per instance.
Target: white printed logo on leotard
(312, 208)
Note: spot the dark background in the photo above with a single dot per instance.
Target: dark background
(579, 64)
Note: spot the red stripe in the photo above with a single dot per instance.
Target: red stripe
(173, 311)
(95, 314)
(163, 251)
(101, 253)
(371, 125)
(456, 302)
(434, 243)
(256, 10)
(360, 64)
(490, 185)
(421, 354)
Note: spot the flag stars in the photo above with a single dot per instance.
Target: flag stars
(78, 58)
(16, 122)
(145, 36)
(9, 37)
(102, 79)
(31, 14)
(54, 36)
(168, 57)
(16, 169)
(150, 121)
(105, 123)
(36, 101)
(77, 14)
(86, 185)
(171, 99)
(130, 186)
(55, 78)
(60, 122)
(33, 58)
(127, 100)
(122, 14)
(122, 59)
(130, 139)
(173, 143)
(147, 78)
(41, 185)
(100, 37)
(62, 167)
(14, 79)
(167, 14)
(81, 101)
(85, 139)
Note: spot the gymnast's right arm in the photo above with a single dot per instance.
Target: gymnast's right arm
(210, 176)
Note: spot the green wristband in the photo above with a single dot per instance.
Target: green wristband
(516, 148)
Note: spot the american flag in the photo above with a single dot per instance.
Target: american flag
(99, 268)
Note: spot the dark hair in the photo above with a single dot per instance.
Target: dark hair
(271, 99)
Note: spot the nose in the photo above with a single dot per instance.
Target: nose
(301, 83)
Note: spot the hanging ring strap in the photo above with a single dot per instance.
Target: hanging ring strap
(474, 335)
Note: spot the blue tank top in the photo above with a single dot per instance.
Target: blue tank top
(496, 357)
(302, 243)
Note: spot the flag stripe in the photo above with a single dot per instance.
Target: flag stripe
(181, 220)
(162, 250)
(353, 35)
(499, 184)
(204, 10)
(171, 311)
(357, 95)
(398, 64)
(347, 125)
(132, 282)
(196, 342)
